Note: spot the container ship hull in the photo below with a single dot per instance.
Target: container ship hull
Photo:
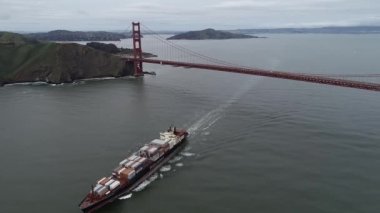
(92, 202)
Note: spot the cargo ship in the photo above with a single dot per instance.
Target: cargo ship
(134, 169)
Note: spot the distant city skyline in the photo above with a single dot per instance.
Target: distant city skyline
(45, 15)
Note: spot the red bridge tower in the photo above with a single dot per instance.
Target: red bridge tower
(137, 52)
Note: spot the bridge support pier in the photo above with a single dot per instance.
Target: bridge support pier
(137, 50)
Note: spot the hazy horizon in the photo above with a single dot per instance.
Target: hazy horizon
(86, 15)
(169, 30)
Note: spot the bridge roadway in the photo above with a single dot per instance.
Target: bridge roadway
(268, 73)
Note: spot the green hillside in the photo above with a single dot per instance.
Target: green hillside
(65, 35)
(209, 34)
(23, 59)
(18, 52)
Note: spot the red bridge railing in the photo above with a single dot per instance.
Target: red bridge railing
(273, 74)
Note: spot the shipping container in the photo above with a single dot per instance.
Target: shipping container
(97, 187)
(129, 164)
(136, 165)
(161, 152)
(143, 154)
(99, 181)
(109, 182)
(114, 185)
(104, 181)
(120, 171)
(143, 160)
(164, 149)
(143, 151)
(123, 162)
(128, 173)
(137, 159)
(117, 169)
(152, 150)
(159, 142)
(133, 157)
(131, 175)
(101, 191)
(155, 157)
(144, 148)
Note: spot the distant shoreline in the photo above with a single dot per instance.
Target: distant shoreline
(317, 30)
(117, 35)
(295, 30)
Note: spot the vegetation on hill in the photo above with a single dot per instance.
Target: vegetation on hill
(65, 35)
(111, 48)
(27, 60)
(209, 34)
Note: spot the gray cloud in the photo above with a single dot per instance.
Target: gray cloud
(39, 15)
(5, 17)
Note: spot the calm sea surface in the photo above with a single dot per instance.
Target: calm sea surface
(256, 145)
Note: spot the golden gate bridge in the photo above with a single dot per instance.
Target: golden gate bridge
(192, 59)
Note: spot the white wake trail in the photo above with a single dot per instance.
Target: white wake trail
(210, 118)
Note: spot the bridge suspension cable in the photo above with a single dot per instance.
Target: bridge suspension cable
(202, 61)
(188, 51)
(205, 58)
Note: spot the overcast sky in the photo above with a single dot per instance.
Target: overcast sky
(42, 15)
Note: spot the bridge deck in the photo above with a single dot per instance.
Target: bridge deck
(269, 73)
